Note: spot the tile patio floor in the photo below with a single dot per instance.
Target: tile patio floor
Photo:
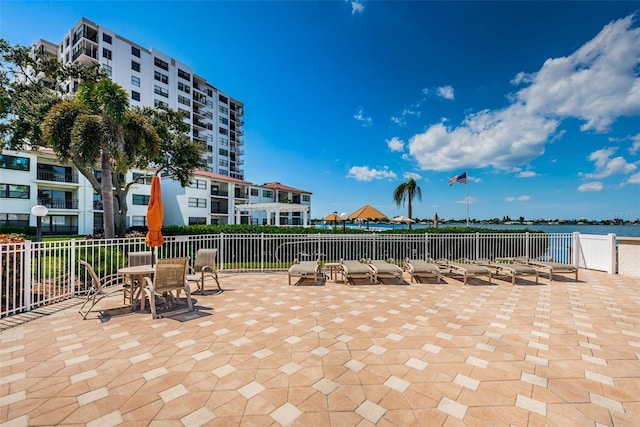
(263, 353)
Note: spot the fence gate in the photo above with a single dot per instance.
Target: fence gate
(596, 252)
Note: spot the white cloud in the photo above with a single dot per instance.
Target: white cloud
(591, 186)
(634, 179)
(526, 174)
(523, 198)
(635, 144)
(363, 173)
(361, 117)
(400, 121)
(395, 144)
(411, 175)
(596, 84)
(607, 166)
(357, 6)
(445, 92)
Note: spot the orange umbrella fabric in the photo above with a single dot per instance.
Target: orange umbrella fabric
(155, 215)
(331, 217)
(367, 212)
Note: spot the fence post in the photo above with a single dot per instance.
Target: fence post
(612, 261)
(527, 249)
(221, 251)
(72, 267)
(575, 249)
(477, 255)
(26, 273)
(262, 252)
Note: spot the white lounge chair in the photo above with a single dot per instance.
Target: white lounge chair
(419, 269)
(464, 267)
(352, 270)
(304, 269)
(511, 269)
(384, 269)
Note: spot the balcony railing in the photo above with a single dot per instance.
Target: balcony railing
(46, 175)
(59, 203)
(219, 193)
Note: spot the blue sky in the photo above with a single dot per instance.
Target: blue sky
(539, 101)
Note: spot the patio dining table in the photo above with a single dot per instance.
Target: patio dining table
(137, 274)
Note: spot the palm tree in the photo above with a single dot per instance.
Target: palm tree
(407, 191)
(98, 127)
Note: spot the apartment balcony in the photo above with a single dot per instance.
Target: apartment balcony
(238, 109)
(236, 141)
(237, 131)
(85, 55)
(85, 32)
(199, 99)
(237, 162)
(46, 175)
(199, 137)
(219, 193)
(237, 151)
(240, 194)
(219, 211)
(59, 203)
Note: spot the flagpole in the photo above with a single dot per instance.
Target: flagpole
(467, 172)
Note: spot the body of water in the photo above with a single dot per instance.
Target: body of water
(618, 230)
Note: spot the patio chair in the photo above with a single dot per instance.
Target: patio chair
(170, 275)
(352, 270)
(419, 269)
(203, 268)
(304, 269)
(100, 288)
(511, 269)
(384, 269)
(463, 267)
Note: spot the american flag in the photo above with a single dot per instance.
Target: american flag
(462, 179)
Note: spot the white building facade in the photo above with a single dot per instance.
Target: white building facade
(151, 78)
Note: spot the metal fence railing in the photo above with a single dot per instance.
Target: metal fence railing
(34, 274)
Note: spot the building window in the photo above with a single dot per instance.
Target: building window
(14, 220)
(223, 99)
(105, 38)
(183, 87)
(158, 103)
(135, 95)
(199, 183)
(160, 64)
(197, 220)
(254, 192)
(223, 163)
(223, 172)
(135, 66)
(138, 221)
(140, 199)
(223, 152)
(160, 77)
(135, 81)
(223, 109)
(184, 75)
(12, 191)
(223, 120)
(107, 68)
(135, 51)
(106, 53)
(195, 202)
(306, 198)
(144, 179)
(267, 193)
(184, 100)
(14, 162)
(161, 91)
(223, 141)
(223, 131)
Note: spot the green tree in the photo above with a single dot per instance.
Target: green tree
(99, 127)
(406, 192)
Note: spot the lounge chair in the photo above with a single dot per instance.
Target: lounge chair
(100, 288)
(548, 267)
(304, 269)
(170, 275)
(419, 269)
(203, 268)
(463, 267)
(352, 270)
(384, 269)
(511, 269)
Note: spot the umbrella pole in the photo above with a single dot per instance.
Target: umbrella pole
(153, 250)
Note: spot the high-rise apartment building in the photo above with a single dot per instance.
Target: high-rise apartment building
(218, 195)
(153, 78)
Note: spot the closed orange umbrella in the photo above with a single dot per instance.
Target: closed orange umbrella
(155, 216)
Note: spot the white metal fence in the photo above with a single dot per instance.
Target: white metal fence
(37, 274)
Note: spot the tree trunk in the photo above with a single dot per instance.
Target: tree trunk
(409, 210)
(106, 188)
